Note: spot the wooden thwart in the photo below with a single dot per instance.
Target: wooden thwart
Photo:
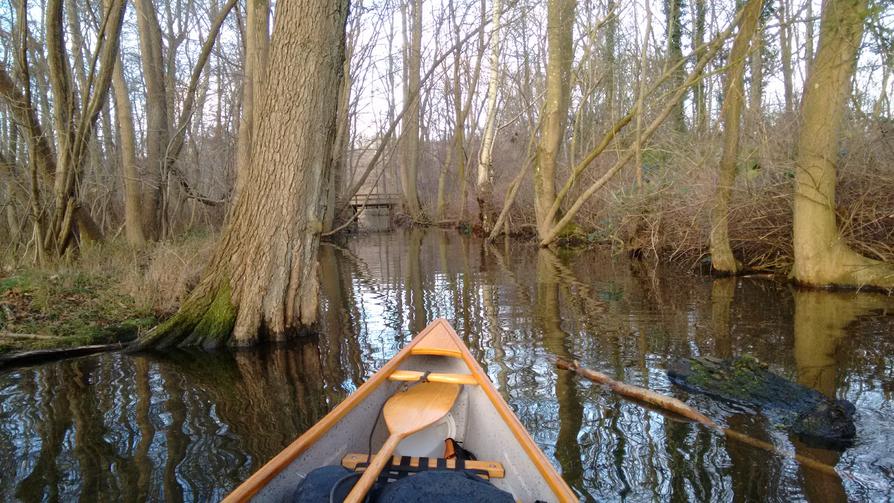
(494, 469)
(415, 375)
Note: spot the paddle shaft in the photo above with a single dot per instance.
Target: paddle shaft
(374, 469)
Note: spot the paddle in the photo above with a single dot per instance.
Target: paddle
(406, 413)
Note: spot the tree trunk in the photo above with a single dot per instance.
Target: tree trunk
(75, 126)
(559, 31)
(722, 260)
(262, 280)
(133, 222)
(484, 183)
(156, 116)
(785, 49)
(340, 155)
(822, 258)
(255, 69)
(699, 96)
(808, 36)
(673, 10)
(756, 64)
(410, 143)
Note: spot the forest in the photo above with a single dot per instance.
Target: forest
(740, 137)
(304, 185)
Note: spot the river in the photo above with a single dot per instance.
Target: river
(190, 426)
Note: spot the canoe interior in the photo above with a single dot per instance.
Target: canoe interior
(478, 426)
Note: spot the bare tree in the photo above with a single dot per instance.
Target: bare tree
(722, 259)
(59, 226)
(560, 28)
(133, 223)
(262, 280)
(485, 176)
(410, 141)
(822, 258)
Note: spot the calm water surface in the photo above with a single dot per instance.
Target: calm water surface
(191, 426)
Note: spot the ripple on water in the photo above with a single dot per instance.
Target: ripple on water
(193, 425)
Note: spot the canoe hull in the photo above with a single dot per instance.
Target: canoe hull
(478, 419)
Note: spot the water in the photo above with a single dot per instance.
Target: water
(191, 426)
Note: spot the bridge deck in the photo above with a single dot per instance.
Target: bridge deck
(375, 200)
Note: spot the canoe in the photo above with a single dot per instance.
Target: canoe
(480, 419)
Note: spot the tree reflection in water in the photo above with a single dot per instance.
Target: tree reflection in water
(190, 426)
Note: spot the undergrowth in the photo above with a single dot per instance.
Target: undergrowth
(668, 217)
(110, 293)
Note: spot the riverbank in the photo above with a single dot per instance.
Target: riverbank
(65, 308)
(109, 295)
(667, 217)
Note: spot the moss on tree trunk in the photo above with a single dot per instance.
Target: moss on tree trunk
(206, 319)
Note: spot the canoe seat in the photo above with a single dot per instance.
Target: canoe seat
(492, 469)
(415, 375)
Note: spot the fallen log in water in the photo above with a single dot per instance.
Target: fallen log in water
(43, 355)
(679, 407)
(817, 420)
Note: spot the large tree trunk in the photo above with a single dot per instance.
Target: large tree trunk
(822, 258)
(156, 116)
(133, 222)
(262, 279)
(255, 66)
(559, 31)
(410, 144)
(722, 260)
(484, 183)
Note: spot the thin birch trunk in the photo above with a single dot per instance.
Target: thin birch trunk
(484, 183)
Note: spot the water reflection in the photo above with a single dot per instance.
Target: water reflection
(190, 426)
(820, 322)
(186, 428)
(556, 342)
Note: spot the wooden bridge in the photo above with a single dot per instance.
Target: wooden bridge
(375, 210)
(375, 201)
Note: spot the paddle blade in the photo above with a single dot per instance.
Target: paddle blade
(419, 407)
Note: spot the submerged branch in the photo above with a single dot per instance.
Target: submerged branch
(676, 406)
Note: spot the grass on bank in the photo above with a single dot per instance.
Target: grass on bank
(110, 293)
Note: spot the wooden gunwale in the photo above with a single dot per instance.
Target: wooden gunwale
(271, 469)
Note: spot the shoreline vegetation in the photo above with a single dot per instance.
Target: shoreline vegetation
(111, 293)
(102, 300)
(703, 162)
